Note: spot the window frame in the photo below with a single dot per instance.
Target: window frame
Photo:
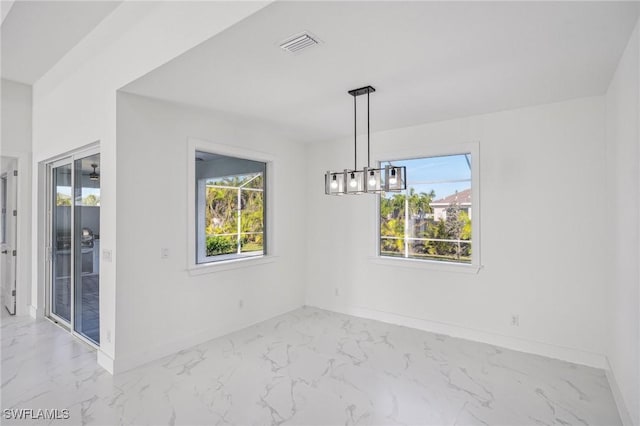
(195, 268)
(435, 150)
(201, 239)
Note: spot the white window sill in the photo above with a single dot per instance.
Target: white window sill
(226, 265)
(433, 265)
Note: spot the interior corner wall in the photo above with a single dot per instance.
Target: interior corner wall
(542, 226)
(161, 308)
(622, 196)
(16, 142)
(74, 105)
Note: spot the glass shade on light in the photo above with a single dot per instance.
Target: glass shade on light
(334, 183)
(356, 181)
(395, 178)
(374, 180)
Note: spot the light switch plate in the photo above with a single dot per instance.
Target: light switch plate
(106, 255)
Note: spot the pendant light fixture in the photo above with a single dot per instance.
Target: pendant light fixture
(367, 180)
(94, 175)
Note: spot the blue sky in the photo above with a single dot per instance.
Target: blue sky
(435, 170)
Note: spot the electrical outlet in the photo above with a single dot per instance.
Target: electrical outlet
(106, 255)
(109, 336)
(515, 320)
(164, 253)
(240, 304)
(336, 292)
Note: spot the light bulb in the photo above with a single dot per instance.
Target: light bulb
(334, 183)
(392, 178)
(353, 183)
(372, 179)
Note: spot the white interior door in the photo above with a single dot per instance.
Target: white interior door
(9, 235)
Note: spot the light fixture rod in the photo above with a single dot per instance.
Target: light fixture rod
(355, 93)
(368, 135)
(355, 134)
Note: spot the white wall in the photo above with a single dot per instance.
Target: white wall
(16, 142)
(16, 118)
(74, 104)
(622, 197)
(547, 266)
(161, 308)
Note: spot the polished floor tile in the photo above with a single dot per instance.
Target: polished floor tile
(308, 367)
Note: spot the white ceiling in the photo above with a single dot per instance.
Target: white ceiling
(429, 61)
(37, 34)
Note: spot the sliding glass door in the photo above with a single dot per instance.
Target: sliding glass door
(61, 246)
(75, 245)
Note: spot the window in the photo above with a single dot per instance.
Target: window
(432, 218)
(230, 213)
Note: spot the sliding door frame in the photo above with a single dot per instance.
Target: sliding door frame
(49, 227)
(50, 243)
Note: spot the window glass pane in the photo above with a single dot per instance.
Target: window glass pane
(61, 242)
(252, 220)
(221, 220)
(392, 221)
(231, 207)
(87, 247)
(431, 220)
(435, 169)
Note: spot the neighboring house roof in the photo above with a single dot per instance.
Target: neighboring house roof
(462, 198)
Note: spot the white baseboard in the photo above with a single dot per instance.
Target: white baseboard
(105, 361)
(125, 363)
(617, 397)
(575, 356)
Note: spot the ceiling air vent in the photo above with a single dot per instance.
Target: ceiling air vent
(299, 42)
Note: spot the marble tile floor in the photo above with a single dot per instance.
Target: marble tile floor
(307, 367)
